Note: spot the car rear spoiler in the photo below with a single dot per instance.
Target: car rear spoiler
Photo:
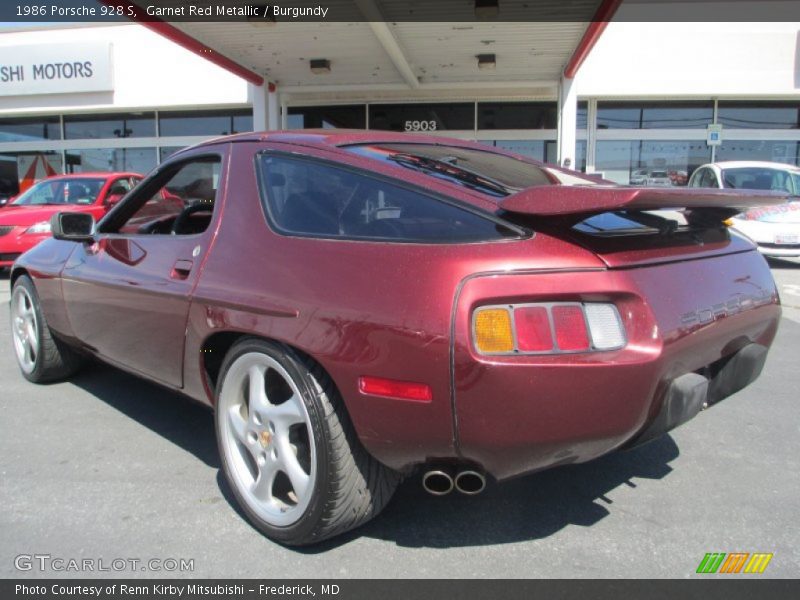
(581, 201)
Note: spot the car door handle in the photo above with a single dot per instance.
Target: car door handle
(181, 269)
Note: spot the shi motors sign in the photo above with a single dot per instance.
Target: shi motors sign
(56, 69)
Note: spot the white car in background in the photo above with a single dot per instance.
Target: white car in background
(776, 230)
(658, 178)
(638, 177)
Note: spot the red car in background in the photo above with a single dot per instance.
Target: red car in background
(25, 220)
(358, 305)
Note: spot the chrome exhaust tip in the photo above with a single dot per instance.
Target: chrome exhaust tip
(437, 483)
(470, 483)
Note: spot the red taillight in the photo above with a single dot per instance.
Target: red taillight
(533, 329)
(570, 328)
(391, 388)
(547, 328)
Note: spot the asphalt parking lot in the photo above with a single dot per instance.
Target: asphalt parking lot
(107, 466)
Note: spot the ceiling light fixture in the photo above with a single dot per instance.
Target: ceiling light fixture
(320, 66)
(487, 9)
(486, 61)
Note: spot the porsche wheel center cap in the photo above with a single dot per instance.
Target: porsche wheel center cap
(265, 437)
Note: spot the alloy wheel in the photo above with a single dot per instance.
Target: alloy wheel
(25, 329)
(267, 439)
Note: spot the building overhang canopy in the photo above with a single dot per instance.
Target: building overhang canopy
(391, 47)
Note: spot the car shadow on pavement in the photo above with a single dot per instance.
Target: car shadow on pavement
(522, 509)
(182, 421)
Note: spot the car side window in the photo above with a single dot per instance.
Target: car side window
(312, 198)
(179, 200)
(711, 177)
(123, 183)
(704, 178)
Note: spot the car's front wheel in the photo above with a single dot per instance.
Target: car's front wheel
(288, 449)
(40, 356)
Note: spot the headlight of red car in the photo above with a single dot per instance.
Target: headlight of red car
(39, 228)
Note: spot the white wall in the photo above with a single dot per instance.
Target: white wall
(694, 59)
(149, 72)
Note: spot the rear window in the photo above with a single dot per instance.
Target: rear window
(487, 172)
(761, 178)
(313, 198)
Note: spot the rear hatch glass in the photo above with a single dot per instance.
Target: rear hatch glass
(619, 238)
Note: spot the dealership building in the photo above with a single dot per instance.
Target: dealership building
(620, 100)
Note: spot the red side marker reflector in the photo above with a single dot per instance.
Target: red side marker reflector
(570, 328)
(391, 388)
(533, 329)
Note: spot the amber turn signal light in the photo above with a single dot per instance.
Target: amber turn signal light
(493, 332)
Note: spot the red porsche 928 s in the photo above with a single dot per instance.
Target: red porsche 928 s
(360, 305)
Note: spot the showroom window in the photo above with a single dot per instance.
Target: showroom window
(327, 117)
(773, 151)
(204, 122)
(18, 170)
(517, 115)
(658, 163)
(583, 116)
(122, 125)
(759, 115)
(654, 115)
(30, 129)
(421, 118)
(166, 151)
(137, 160)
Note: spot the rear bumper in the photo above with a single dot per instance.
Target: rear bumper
(697, 332)
(688, 394)
(778, 251)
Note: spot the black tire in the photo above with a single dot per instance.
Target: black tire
(350, 488)
(54, 360)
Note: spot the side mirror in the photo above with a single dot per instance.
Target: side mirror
(73, 226)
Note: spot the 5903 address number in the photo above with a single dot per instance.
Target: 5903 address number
(420, 126)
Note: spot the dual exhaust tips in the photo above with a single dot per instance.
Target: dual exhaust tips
(441, 482)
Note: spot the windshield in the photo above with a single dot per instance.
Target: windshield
(487, 172)
(61, 191)
(762, 178)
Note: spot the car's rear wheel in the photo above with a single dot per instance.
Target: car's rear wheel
(288, 449)
(40, 356)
